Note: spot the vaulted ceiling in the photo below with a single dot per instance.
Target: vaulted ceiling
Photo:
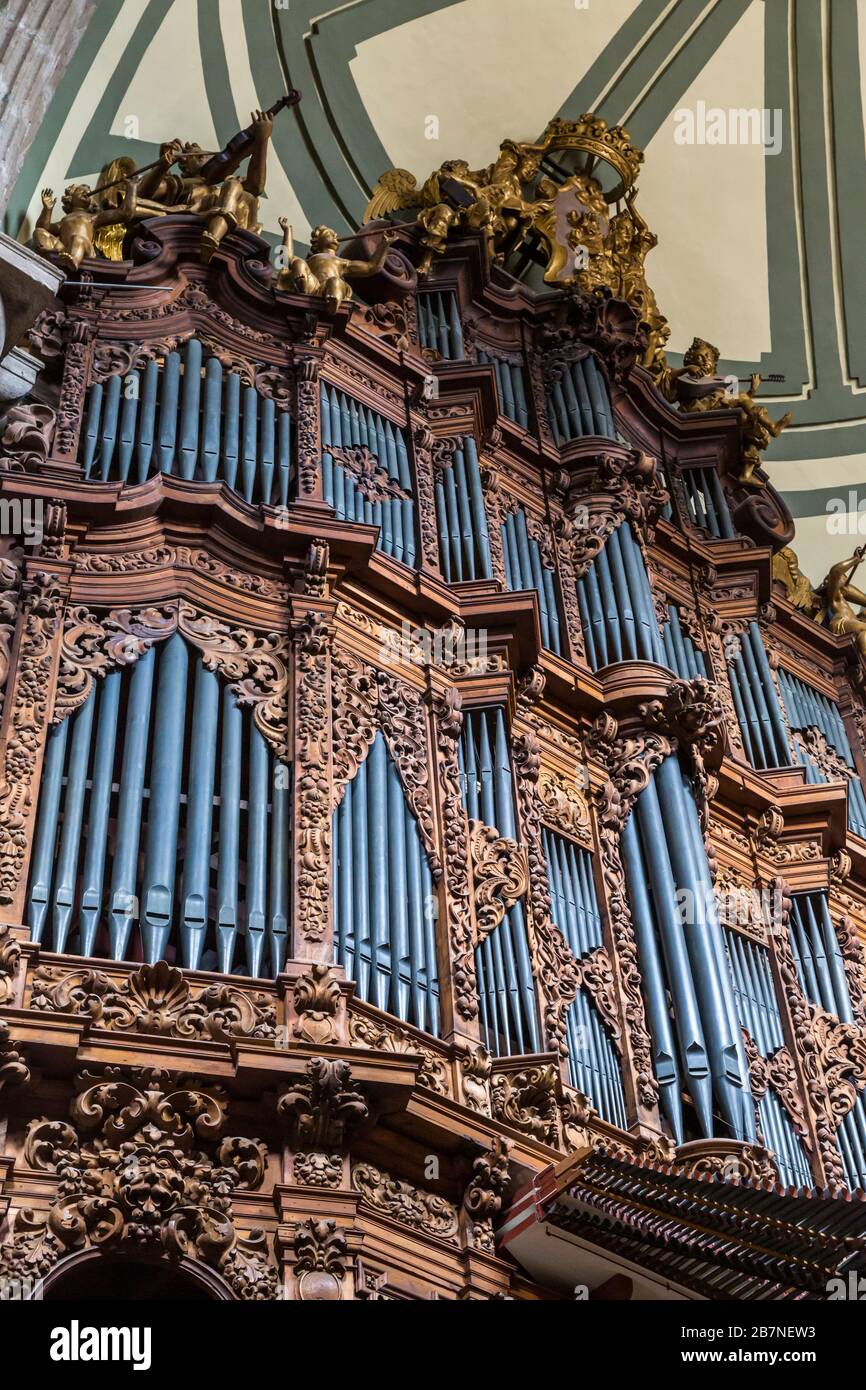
(763, 254)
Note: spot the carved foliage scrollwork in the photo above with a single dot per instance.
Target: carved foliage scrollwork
(424, 443)
(254, 665)
(808, 1048)
(312, 641)
(144, 1161)
(366, 700)
(448, 722)
(308, 428)
(155, 999)
(500, 875)
(425, 1211)
(25, 722)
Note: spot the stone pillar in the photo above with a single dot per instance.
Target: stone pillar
(37, 41)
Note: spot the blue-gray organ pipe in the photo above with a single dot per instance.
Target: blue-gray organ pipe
(758, 1011)
(197, 869)
(759, 713)
(348, 425)
(681, 654)
(511, 388)
(707, 504)
(579, 403)
(616, 605)
(190, 417)
(817, 955)
(383, 895)
(683, 956)
(809, 708)
(653, 984)
(464, 541)
(673, 933)
(592, 1057)
(506, 986)
(524, 570)
(439, 327)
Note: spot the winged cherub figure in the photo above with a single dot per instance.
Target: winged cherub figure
(325, 273)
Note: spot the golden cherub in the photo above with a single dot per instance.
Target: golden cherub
(324, 273)
(229, 203)
(839, 593)
(72, 239)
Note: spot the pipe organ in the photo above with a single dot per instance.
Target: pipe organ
(421, 772)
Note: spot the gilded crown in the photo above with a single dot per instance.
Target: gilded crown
(592, 135)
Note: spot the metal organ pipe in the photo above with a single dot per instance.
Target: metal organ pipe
(125, 756)
(348, 425)
(202, 770)
(578, 404)
(616, 606)
(696, 971)
(506, 986)
(157, 896)
(383, 895)
(524, 570)
(199, 425)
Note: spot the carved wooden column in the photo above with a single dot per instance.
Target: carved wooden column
(312, 632)
(308, 491)
(495, 505)
(423, 448)
(556, 970)
(33, 668)
(78, 340)
(629, 762)
(455, 939)
(801, 1041)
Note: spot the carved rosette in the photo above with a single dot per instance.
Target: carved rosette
(144, 1161)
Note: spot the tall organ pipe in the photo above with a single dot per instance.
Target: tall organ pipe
(164, 810)
(706, 949)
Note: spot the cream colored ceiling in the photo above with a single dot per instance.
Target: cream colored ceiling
(765, 256)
